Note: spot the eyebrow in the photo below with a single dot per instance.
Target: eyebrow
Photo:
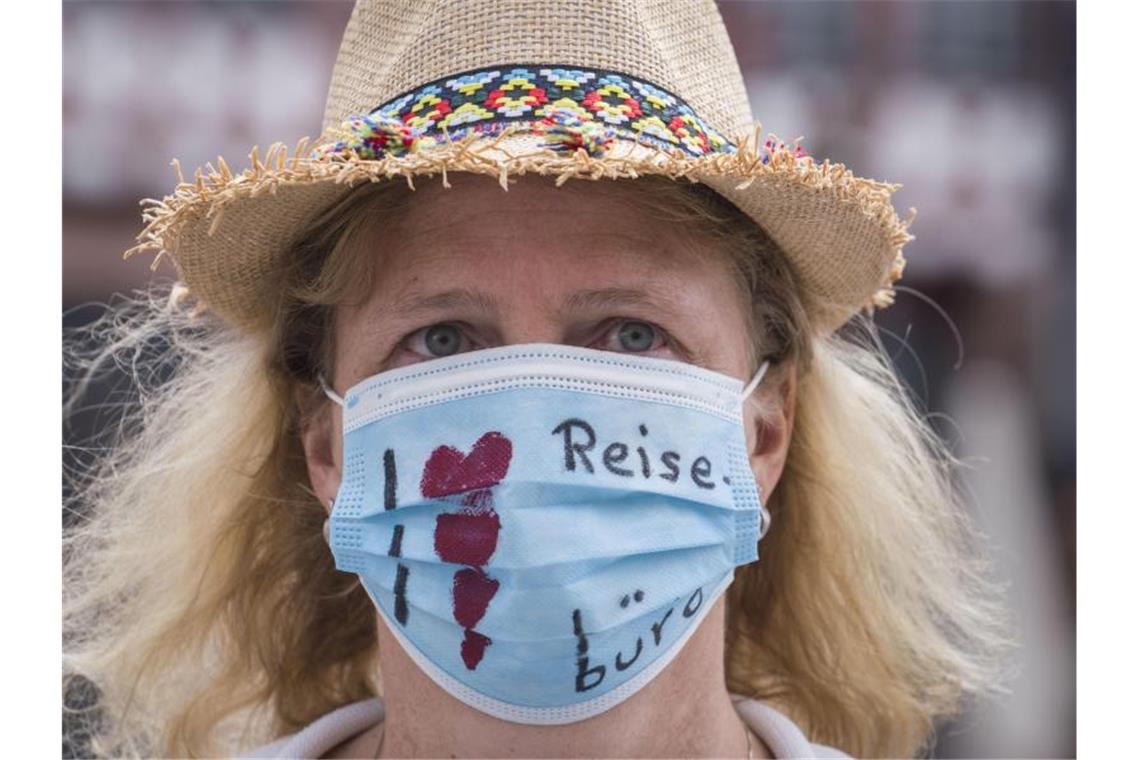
(458, 298)
(415, 303)
(617, 297)
(605, 298)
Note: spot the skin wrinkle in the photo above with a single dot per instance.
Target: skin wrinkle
(541, 286)
(578, 310)
(668, 300)
(418, 303)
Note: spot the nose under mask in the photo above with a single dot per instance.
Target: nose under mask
(543, 527)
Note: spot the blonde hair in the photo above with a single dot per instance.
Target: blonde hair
(203, 604)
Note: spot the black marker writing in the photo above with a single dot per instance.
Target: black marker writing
(584, 661)
(389, 479)
(656, 627)
(614, 454)
(394, 548)
(700, 472)
(623, 665)
(570, 447)
(588, 677)
(580, 439)
(401, 593)
(691, 610)
(670, 459)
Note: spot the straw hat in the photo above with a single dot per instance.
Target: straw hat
(577, 89)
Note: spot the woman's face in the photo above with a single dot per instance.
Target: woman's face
(474, 267)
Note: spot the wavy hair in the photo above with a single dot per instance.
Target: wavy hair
(202, 603)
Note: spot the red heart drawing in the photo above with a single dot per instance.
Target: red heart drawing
(467, 539)
(448, 471)
(472, 647)
(472, 590)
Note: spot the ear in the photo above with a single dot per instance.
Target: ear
(769, 433)
(320, 438)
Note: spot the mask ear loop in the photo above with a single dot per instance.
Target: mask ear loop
(338, 400)
(746, 394)
(765, 516)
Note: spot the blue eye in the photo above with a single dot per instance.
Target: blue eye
(436, 341)
(442, 340)
(637, 337)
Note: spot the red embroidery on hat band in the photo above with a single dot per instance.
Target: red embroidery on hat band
(574, 108)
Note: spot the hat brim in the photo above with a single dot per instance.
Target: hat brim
(225, 232)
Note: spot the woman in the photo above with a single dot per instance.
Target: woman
(504, 459)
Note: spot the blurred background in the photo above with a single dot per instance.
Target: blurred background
(971, 105)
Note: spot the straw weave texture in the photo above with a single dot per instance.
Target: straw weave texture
(392, 47)
(226, 231)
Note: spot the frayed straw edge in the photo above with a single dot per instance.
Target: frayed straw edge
(207, 196)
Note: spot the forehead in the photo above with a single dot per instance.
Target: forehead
(542, 240)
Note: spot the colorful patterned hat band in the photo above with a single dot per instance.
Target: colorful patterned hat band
(572, 107)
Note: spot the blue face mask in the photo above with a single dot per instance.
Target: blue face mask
(543, 527)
